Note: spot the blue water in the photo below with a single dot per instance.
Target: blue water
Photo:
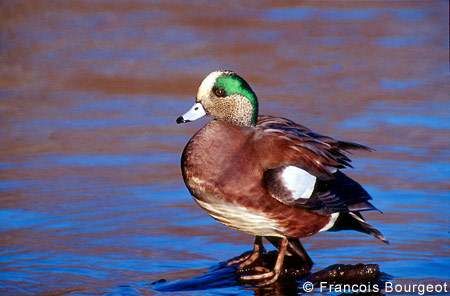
(92, 200)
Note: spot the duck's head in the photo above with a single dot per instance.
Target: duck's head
(224, 95)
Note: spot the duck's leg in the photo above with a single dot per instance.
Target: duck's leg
(271, 276)
(295, 248)
(248, 259)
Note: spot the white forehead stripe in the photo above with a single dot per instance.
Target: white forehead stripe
(208, 83)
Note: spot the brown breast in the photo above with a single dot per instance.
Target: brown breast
(222, 169)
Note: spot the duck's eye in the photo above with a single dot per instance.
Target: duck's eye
(219, 92)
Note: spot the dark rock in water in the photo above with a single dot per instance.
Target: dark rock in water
(290, 280)
(339, 273)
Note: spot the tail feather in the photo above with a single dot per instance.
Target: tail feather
(355, 221)
(363, 206)
(367, 228)
(353, 146)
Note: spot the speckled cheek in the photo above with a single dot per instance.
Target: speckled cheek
(221, 108)
(207, 104)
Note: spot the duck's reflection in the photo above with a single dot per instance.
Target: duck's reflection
(279, 288)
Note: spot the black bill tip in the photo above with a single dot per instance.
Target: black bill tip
(181, 120)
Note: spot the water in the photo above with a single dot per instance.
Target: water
(92, 200)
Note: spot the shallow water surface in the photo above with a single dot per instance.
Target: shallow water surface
(92, 199)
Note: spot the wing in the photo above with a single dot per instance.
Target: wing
(301, 168)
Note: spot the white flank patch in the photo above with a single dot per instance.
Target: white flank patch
(299, 182)
(330, 223)
(241, 218)
(207, 84)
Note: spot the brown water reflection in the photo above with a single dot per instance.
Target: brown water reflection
(91, 194)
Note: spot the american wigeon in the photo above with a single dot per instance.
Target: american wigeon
(268, 176)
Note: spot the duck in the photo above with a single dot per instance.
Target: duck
(268, 176)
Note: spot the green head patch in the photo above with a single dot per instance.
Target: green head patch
(229, 83)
